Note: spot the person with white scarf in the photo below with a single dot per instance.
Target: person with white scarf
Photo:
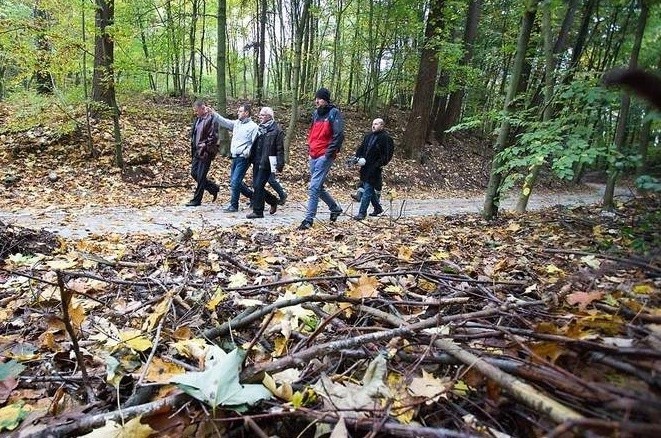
(268, 157)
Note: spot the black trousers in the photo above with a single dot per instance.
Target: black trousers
(199, 170)
(259, 179)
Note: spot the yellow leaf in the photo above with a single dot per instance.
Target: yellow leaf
(514, 227)
(429, 387)
(134, 339)
(460, 388)
(280, 345)
(304, 290)
(284, 391)
(12, 415)
(160, 371)
(553, 269)
(405, 253)
(365, 288)
(131, 429)
(440, 255)
(643, 289)
(193, 349)
(297, 399)
(217, 298)
(157, 314)
(76, 314)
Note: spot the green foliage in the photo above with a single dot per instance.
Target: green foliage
(567, 141)
(30, 109)
(648, 183)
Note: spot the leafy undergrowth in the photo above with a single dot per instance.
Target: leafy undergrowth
(543, 324)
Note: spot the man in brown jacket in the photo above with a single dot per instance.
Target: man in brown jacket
(204, 147)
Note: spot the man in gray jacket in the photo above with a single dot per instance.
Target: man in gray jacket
(244, 132)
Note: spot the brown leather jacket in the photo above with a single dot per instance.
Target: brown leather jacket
(206, 146)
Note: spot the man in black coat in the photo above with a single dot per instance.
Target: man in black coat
(371, 156)
(268, 157)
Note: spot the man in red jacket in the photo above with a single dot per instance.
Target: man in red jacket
(324, 143)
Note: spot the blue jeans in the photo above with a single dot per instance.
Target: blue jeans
(319, 168)
(237, 173)
(273, 182)
(369, 195)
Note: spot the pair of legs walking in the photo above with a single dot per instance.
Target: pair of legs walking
(199, 171)
(319, 168)
(370, 195)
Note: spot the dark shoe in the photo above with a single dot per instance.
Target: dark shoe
(305, 225)
(274, 208)
(282, 200)
(359, 217)
(334, 215)
(192, 204)
(254, 215)
(230, 209)
(214, 195)
(376, 212)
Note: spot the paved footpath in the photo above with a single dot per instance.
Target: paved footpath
(81, 222)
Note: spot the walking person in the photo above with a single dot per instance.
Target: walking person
(204, 148)
(373, 153)
(325, 139)
(268, 157)
(244, 132)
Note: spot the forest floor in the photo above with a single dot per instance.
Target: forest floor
(114, 297)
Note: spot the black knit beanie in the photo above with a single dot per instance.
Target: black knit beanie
(323, 93)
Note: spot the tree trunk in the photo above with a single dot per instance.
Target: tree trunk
(103, 79)
(221, 90)
(423, 96)
(301, 25)
(455, 101)
(261, 65)
(42, 75)
(620, 133)
(492, 199)
(549, 72)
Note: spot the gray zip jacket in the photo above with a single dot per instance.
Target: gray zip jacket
(244, 133)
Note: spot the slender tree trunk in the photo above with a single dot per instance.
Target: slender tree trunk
(103, 80)
(455, 101)
(301, 25)
(549, 62)
(261, 67)
(620, 133)
(221, 86)
(423, 96)
(492, 199)
(90, 146)
(42, 75)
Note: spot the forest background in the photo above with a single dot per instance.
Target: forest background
(98, 93)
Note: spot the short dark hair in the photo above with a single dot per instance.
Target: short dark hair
(199, 103)
(247, 108)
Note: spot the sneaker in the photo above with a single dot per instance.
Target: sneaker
(282, 200)
(359, 217)
(273, 209)
(230, 209)
(192, 204)
(334, 215)
(376, 212)
(254, 215)
(305, 225)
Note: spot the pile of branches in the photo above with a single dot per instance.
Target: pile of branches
(417, 344)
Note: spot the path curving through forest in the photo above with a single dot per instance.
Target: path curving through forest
(82, 222)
